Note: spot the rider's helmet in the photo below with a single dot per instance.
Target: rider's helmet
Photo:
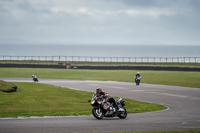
(138, 72)
(98, 90)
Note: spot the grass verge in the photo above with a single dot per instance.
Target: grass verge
(35, 99)
(175, 78)
(7, 86)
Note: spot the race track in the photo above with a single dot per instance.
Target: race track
(183, 111)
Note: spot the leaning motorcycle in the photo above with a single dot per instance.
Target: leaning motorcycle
(102, 108)
(35, 79)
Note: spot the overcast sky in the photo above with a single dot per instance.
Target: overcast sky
(173, 22)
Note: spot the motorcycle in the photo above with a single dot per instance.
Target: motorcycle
(137, 80)
(35, 79)
(102, 108)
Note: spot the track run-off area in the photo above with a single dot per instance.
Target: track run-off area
(182, 113)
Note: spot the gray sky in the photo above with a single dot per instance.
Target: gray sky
(173, 22)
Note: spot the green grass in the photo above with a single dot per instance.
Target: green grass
(6, 86)
(175, 78)
(35, 99)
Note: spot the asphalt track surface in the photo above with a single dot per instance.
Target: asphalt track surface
(183, 111)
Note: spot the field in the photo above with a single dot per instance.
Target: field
(46, 100)
(175, 78)
(40, 99)
(28, 93)
(33, 99)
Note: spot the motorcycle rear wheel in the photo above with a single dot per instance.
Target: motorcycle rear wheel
(122, 115)
(98, 113)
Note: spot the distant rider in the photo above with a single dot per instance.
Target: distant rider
(137, 75)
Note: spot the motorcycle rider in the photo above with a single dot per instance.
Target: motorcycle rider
(100, 92)
(137, 75)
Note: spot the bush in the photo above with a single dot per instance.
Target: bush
(7, 87)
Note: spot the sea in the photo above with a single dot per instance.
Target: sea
(100, 50)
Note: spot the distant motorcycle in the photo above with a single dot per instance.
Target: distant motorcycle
(35, 79)
(137, 80)
(102, 108)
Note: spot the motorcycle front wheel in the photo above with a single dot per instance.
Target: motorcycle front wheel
(97, 113)
(123, 114)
